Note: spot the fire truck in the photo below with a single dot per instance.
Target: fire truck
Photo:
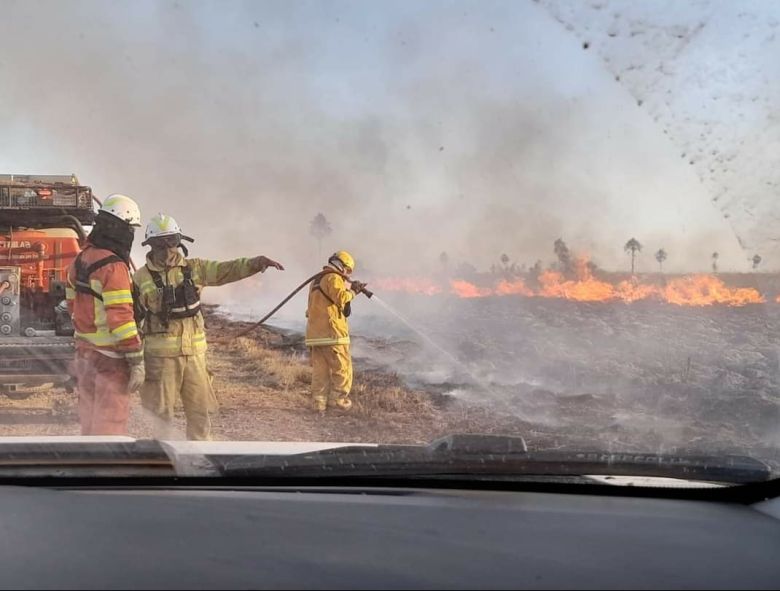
(42, 221)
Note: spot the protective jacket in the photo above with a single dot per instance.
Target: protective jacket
(173, 324)
(327, 317)
(100, 301)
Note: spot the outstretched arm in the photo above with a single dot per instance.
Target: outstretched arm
(215, 273)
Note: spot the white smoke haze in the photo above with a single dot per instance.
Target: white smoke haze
(471, 128)
(706, 72)
(475, 128)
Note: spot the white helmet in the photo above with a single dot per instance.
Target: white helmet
(163, 225)
(122, 207)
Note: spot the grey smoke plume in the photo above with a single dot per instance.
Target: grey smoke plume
(474, 128)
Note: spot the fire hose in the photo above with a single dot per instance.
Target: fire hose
(369, 294)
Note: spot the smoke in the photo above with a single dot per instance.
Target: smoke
(703, 72)
(471, 128)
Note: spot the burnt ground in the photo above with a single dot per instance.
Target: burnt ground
(562, 375)
(645, 376)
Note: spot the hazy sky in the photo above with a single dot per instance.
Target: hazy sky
(706, 72)
(475, 128)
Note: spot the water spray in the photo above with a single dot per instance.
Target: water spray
(369, 294)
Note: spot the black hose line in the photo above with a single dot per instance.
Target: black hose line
(292, 294)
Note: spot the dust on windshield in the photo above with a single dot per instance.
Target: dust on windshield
(552, 219)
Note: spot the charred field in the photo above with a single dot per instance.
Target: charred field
(647, 376)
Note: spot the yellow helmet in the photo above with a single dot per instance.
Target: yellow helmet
(343, 257)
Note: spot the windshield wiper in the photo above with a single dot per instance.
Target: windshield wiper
(486, 457)
(75, 459)
(489, 455)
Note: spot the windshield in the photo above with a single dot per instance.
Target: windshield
(553, 220)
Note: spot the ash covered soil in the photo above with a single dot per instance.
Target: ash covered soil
(644, 377)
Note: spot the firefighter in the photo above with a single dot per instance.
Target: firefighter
(169, 287)
(109, 354)
(327, 333)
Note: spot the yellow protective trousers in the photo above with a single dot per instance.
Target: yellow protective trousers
(331, 377)
(185, 377)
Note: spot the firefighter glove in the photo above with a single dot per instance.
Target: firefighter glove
(137, 376)
(264, 262)
(357, 286)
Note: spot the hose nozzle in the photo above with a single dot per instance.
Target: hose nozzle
(360, 287)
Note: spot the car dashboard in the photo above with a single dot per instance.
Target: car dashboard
(367, 537)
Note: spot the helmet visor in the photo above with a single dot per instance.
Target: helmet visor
(170, 241)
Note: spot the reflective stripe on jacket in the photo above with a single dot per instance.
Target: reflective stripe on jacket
(107, 325)
(183, 336)
(326, 324)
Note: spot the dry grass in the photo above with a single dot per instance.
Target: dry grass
(263, 385)
(374, 394)
(284, 370)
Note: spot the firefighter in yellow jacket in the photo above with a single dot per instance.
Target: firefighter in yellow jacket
(327, 333)
(169, 287)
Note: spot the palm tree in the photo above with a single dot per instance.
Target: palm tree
(715, 257)
(756, 261)
(320, 228)
(563, 253)
(505, 260)
(633, 247)
(661, 256)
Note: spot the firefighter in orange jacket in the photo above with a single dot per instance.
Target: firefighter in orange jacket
(109, 352)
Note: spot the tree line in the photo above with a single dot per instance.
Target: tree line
(320, 229)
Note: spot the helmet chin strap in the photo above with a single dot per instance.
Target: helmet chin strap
(184, 249)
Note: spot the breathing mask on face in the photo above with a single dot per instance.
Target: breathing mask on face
(165, 249)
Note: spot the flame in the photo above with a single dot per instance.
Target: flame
(692, 290)
(516, 287)
(464, 289)
(706, 290)
(582, 290)
(416, 285)
(632, 291)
